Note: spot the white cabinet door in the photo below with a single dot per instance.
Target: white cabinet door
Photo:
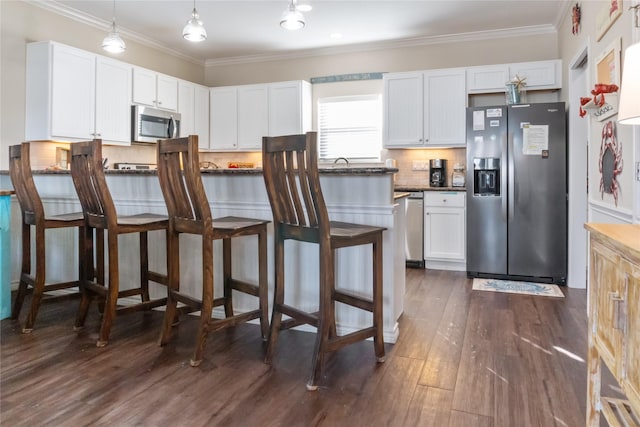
(193, 106)
(223, 123)
(186, 108)
(60, 92)
(154, 89)
(487, 79)
(403, 110)
(444, 226)
(201, 115)
(538, 75)
(253, 116)
(73, 93)
(289, 108)
(113, 101)
(144, 87)
(445, 108)
(167, 92)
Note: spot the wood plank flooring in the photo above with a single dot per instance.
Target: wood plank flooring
(463, 358)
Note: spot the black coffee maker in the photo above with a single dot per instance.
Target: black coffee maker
(438, 172)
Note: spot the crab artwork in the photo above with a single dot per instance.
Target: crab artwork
(610, 161)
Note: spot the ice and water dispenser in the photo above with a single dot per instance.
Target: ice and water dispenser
(486, 176)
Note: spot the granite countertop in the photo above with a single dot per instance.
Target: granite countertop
(414, 188)
(350, 170)
(6, 192)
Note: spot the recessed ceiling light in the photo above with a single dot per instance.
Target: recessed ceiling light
(336, 35)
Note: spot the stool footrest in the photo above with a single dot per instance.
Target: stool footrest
(341, 341)
(147, 305)
(244, 287)
(195, 304)
(300, 317)
(217, 324)
(158, 277)
(353, 300)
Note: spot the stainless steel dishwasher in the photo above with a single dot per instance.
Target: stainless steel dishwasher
(414, 243)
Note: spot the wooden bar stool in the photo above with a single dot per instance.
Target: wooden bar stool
(190, 213)
(34, 216)
(100, 215)
(299, 213)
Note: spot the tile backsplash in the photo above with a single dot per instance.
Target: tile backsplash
(405, 158)
(43, 155)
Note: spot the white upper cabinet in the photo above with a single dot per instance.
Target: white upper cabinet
(155, 89)
(253, 116)
(490, 78)
(73, 95)
(538, 75)
(113, 101)
(402, 109)
(242, 115)
(445, 98)
(223, 122)
(289, 108)
(424, 109)
(193, 106)
(60, 92)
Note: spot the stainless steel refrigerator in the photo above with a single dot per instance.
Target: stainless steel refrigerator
(517, 192)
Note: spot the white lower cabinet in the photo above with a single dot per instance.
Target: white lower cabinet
(444, 228)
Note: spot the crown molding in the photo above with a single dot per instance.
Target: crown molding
(92, 21)
(392, 44)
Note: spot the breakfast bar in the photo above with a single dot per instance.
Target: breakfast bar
(352, 194)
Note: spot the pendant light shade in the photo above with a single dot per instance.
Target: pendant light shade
(629, 106)
(194, 30)
(113, 43)
(292, 19)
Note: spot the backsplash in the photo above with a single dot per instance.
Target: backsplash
(407, 177)
(43, 156)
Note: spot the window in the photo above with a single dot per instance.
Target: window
(351, 127)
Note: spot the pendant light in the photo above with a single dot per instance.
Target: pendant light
(194, 30)
(292, 19)
(112, 43)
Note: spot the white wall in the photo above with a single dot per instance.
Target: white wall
(603, 207)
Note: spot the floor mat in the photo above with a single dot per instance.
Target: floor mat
(514, 287)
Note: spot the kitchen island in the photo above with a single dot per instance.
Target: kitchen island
(352, 194)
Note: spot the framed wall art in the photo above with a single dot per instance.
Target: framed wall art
(608, 65)
(607, 16)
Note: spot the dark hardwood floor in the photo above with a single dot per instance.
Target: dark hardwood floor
(463, 358)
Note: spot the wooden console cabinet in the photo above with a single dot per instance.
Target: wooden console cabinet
(614, 321)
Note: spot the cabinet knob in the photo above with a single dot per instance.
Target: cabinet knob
(159, 102)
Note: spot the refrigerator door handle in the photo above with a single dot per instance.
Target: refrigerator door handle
(511, 191)
(503, 178)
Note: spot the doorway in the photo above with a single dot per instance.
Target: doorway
(578, 162)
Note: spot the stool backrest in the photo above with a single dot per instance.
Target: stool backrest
(87, 172)
(22, 180)
(290, 170)
(181, 184)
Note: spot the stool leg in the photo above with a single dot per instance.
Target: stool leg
(226, 274)
(173, 285)
(85, 273)
(378, 339)
(263, 285)
(100, 265)
(38, 283)
(278, 296)
(327, 277)
(25, 272)
(112, 293)
(144, 266)
(207, 299)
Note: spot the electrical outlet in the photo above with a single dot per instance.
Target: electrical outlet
(419, 165)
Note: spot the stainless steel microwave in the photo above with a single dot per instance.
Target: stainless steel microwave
(148, 124)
